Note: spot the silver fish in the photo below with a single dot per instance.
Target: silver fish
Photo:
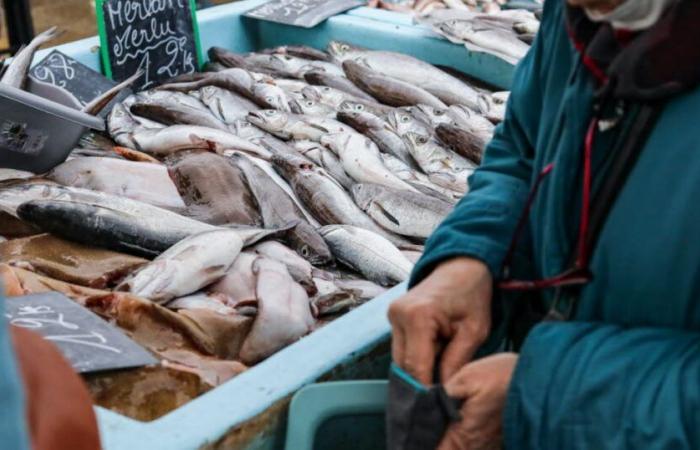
(16, 73)
(186, 267)
(287, 66)
(381, 133)
(390, 91)
(170, 112)
(238, 284)
(368, 253)
(402, 212)
(418, 179)
(226, 105)
(443, 166)
(187, 137)
(278, 209)
(341, 83)
(311, 108)
(294, 126)
(324, 197)
(402, 121)
(477, 36)
(410, 70)
(361, 159)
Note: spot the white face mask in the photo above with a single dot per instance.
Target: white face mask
(633, 15)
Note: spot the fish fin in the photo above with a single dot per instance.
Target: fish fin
(387, 214)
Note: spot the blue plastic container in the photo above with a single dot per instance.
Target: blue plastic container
(249, 412)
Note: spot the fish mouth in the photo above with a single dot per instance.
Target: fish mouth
(256, 117)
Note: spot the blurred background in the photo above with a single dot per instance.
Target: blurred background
(75, 17)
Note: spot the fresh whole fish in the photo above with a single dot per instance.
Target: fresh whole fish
(284, 314)
(402, 212)
(173, 113)
(16, 73)
(215, 191)
(226, 105)
(335, 168)
(493, 106)
(323, 196)
(278, 209)
(443, 166)
(377, 109)
(409, 70)
(380, 132)
(100, 226)
(287, 66)
(361, 159)
(388, 90)
(418, 179)
(300, 51)
(146, 182)
(472, 121)
(176, 138)
(294, 126)
(341, 83)
(480, 37)
(368, 253)
(186, 267)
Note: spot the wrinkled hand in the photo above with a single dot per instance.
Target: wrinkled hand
(483, 385)
(453, 305)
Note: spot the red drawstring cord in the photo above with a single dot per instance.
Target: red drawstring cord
(579, 274)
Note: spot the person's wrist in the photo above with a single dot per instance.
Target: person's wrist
(464, 266)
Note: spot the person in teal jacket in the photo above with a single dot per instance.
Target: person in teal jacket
(619, 365)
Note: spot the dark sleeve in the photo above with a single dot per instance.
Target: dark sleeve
(591, 385)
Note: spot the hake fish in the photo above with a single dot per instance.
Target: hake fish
(368, 253)
(16, 73)
(341, 83)
(278, 209)
(186, 267)
(391, 91)
(226, 105)
(461, 142)
(299, 268)
(215, 191)
(323, 196)
(409, 70)
(174, 113)
(361, 159)
(405, 213)
(379, 131)
(284, 314)
(146, 182)
(176, 138)
(443, 166)
(295, 126)
(288, 66)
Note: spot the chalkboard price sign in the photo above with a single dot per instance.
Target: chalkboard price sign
(61, 70)
(88, 342)
(159, 37)
(302, 13)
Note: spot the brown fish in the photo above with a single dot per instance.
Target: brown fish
(461, 142)
(214, 190)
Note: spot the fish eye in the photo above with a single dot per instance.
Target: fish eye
(439, 112)
(269, 99)
(405, 119)
(345, 47)
(360, 107)
(270, 112)
(305, 251)
(309, 103)
(422, 140)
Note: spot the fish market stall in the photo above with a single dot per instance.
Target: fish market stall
(249, 225)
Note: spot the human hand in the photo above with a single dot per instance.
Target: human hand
(452, 304)
(483, 385)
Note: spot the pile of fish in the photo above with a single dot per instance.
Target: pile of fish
(427, 6)
(481, 26)
(228, 213)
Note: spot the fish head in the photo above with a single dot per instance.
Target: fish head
(363, 194)
(402, 121)
(271, 96)
(341, 51)
(334, 141)
(290, 165)
(416, 141)
(270, 120)
(351, 106)
(310, 107)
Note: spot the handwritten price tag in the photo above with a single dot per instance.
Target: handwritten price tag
(157, 36)
(302, 13)
(81, 81)
(86, 340)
